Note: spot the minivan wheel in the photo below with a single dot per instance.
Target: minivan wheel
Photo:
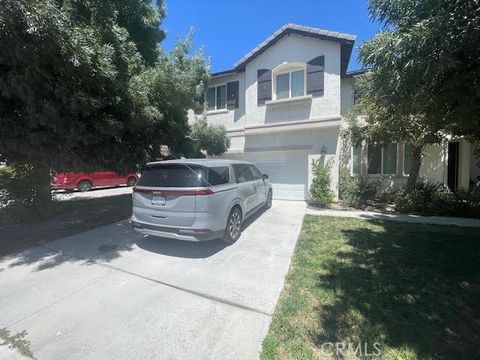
(234, 223)
(268, 203)
(84, 185)
(131, 181)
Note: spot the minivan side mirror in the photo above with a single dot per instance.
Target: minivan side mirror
(264, 176)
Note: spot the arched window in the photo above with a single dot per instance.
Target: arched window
(289, 80)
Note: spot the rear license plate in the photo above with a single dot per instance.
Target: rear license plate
(158, 200)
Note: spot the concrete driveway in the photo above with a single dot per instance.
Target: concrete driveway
(111, 293)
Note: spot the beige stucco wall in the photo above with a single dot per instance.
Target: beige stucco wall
(237, 144)
(291, 49)
(434, 164)
(324, 159)
(231, 119)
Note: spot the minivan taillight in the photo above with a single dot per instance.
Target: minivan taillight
(176, 192)
(204, 192)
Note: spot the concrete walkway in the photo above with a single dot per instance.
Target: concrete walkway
(416, 219)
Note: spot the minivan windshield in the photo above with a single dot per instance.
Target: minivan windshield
(174, 175)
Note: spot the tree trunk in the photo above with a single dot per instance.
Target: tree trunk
(416, 161)
(42, 192)
(31, 188)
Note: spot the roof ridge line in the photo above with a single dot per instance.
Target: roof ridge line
(297, 27)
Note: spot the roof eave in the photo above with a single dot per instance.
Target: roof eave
(346, 41)
(355, 73)
(223, 73)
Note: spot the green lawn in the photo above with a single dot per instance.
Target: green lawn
(413, 289)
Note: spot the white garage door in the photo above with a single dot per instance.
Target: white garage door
(287, 171)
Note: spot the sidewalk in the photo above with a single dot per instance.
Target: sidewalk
(417, 219)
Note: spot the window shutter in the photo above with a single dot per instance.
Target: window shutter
(315, 76)
(232, 95)
(210, 98)
(264, 85)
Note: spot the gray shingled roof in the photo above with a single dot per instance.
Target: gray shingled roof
(346, 41)
(356, 72)
(328, 35)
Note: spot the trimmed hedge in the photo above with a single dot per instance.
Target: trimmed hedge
(425, 199)
(437, 199)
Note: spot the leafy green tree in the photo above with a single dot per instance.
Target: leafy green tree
(373, 121)
(435, 44)
(84, 85)
(424, 73)
(209, 139)
(164, 92)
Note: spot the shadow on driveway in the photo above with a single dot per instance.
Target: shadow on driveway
(189, 249)
(179, 248)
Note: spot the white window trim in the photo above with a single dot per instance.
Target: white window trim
(381, 161)
(288, 68)
(306, 99)
(217, 110)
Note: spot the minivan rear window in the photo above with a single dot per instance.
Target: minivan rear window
(173, 175)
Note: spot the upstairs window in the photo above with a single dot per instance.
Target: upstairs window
(216, 97)
(283, 86)
(289, 81)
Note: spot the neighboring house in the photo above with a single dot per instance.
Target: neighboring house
(283, 105)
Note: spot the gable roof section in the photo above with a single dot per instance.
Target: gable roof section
(346, 42)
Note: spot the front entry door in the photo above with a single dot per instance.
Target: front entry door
(453, 151)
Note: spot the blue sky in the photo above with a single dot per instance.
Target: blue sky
(227, 30)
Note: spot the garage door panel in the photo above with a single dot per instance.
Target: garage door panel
(288, 191)
(287, 171)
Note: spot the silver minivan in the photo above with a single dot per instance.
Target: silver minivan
(198, 199)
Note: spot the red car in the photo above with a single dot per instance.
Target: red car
(85, 182)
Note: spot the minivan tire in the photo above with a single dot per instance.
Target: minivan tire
(234, 224)
(84, 185)
(268, 203)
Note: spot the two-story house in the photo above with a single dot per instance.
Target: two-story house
(283, 105)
